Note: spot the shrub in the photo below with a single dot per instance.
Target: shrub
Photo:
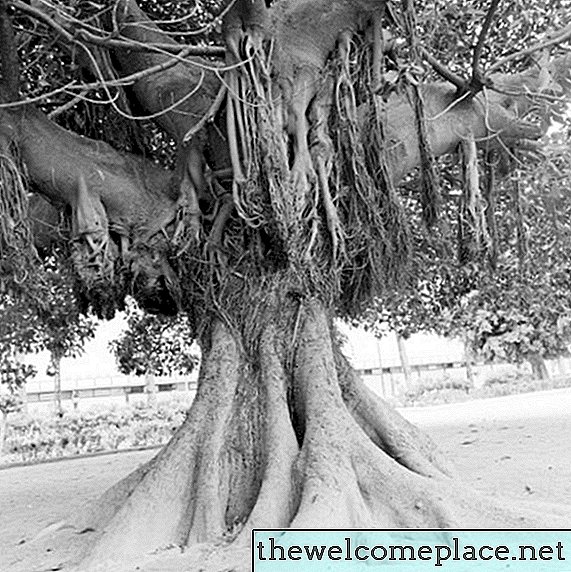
(42, 437)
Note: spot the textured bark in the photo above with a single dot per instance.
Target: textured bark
(275, 438)
(190, 85)
(151, 389)
(3, 425)
(120, 204)
(55, 365)
(405, 364)
(538, 367)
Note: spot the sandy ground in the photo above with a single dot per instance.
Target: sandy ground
(517, 446)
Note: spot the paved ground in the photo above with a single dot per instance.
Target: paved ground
(519, 446)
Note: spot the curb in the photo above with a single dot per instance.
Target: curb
(18, 464)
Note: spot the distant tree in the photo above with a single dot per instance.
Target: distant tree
(13, 377)
(49, 319)
(514, 307)
(155, 345)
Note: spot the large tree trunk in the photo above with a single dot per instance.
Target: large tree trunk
(282, 433)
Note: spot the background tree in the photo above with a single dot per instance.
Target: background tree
(48, 318)
(13, 377)
(281, 211)
(154, 345)
(518, 308)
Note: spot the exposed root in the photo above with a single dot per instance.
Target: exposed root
(277, 499)
(269, 446)
(403, 441)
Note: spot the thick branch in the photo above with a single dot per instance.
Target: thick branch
(490, 116)
(134, 191)
(442, 70)
(156, 93)
(75, 35)
(477, 77)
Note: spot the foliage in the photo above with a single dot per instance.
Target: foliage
(448, 390)
(47, 437)
(451, 29)
(522, 306)
(49, 318)
(160, 345)
(13, 377)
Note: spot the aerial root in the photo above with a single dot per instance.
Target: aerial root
(221, 217)
(334, 225)
(344, 476)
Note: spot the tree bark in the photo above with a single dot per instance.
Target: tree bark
(469, 362)
(3, 426)
(55, 364)
(404, 361)
(538, 367)
(151, 389)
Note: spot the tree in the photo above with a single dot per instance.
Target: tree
(154, 345)
(520, 309)
(49, 318)
(281, 211)
(13, 377)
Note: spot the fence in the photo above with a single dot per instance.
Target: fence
(388, 381)
(40, 391)
(391, 381)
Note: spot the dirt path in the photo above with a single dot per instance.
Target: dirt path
(517, 446)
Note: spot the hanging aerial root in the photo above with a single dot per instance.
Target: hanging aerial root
(430, 198)
(473, 235)
(489, 196)
(378, 237)
(93, 254)
(192, 186)
(322, 154)
(17, 252)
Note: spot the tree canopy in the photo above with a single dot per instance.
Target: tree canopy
(511, 303)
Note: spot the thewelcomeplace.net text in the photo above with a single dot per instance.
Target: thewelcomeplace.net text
(437, 555)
